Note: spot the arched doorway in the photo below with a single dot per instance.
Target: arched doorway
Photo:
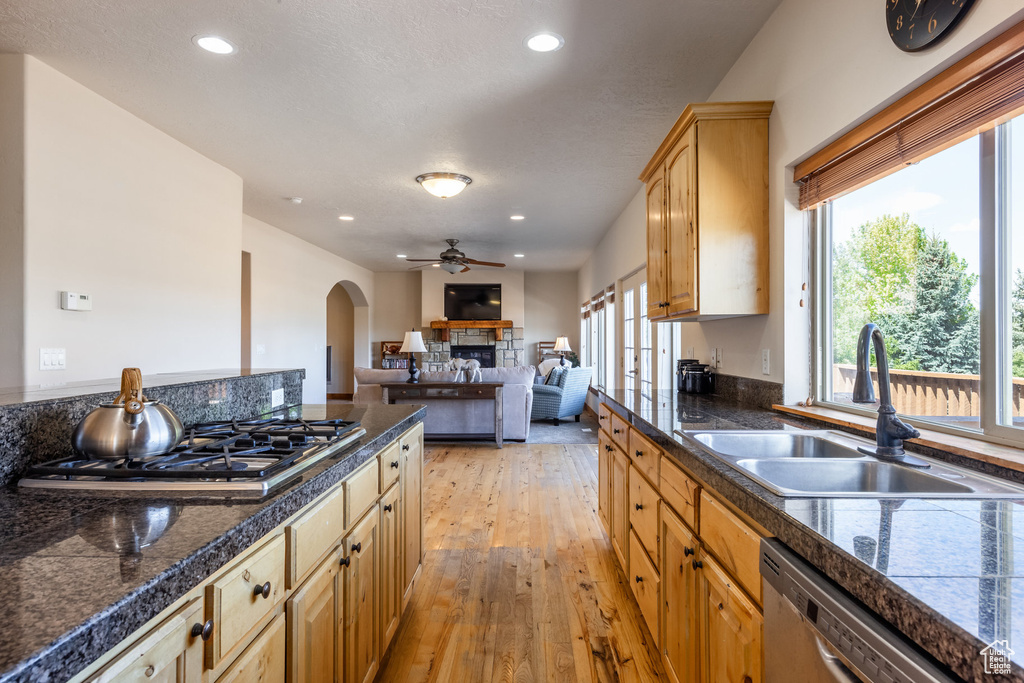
(348, 343)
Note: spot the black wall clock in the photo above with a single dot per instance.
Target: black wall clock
(917, 24)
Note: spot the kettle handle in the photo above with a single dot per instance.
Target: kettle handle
(131, 391)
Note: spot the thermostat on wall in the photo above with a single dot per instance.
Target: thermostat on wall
(69, 301)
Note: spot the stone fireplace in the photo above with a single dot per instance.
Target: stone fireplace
(508, 353)
(483, 353)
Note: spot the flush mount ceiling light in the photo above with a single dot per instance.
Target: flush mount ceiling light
(545, 41)
(517, 217)
(346, 218)
(294, 200)
(443, 185)
(214, 44)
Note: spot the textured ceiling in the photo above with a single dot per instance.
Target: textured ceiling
(344, 103)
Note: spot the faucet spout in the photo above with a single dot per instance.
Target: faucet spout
(890, 431)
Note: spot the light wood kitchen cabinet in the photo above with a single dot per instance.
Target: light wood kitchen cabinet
(732, 629)
(644, 579)
(170, 653)
(679, 600)
(263, 661)
(313, 628)
(362, 612)
(644, 502)
(411, 450)
(708, 240)
(604, 460)
(734, 544)
(619, 488)
(391, 568)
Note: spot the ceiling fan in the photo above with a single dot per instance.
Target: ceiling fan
(453, 260)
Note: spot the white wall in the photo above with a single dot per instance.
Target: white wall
(396, 307)
(340, 337)
(823, 83)
(434, 280)
(12, 234)
(551, 309)
(622, 250)
(147, 226)
(291, 279)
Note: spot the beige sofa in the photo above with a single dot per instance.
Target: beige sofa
(449, 417)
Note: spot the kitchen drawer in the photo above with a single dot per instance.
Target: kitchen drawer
(389, 461)
(264, 660)
(643, 515)
(732, 542)
(679, 491)
(361, 491)
(644, 580)
(233, 603)
(619, 432)
(645, 455)
(604, 417)
(315, 532)
(402, 392)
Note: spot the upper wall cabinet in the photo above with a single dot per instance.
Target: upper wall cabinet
(707, 214)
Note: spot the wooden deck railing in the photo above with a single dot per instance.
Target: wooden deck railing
(927, 393)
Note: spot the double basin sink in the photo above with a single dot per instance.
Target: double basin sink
(823, 463)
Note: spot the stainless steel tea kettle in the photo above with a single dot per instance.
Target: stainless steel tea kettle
(130, 427)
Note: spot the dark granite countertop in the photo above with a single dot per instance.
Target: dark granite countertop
(67, 594)
(948, 574)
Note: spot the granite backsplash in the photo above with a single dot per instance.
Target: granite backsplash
(36, 423)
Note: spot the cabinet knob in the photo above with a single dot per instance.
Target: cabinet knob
(639, 506)
(639, 579)
(346, 561)
(697, 564)
(608, 448)
(405, 446)
(687, 552)
(263, 590)
(721, 606)
(387, 508)
(616, 431)
(204, 630)
(149, 671)
(394, 464)
(639, 454)
(603, 417)
(357, 547)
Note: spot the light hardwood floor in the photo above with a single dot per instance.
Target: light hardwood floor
(519, 579)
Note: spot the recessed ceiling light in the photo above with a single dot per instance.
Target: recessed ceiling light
(545, 41)
(400, 256)
(294, 200)
(346, 218)
(436, 265)
(214, 44)
(517, 217)
(519, 255)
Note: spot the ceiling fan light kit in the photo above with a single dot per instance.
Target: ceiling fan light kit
(453, 260)
(443, 185)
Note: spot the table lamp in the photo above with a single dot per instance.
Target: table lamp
(562, 345)
(413, 343)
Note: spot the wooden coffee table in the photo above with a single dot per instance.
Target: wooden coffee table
(466, 391)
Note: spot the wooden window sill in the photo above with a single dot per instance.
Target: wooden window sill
(995, 454)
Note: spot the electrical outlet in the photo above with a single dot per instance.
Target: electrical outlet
(276, 398)
(260, 349)
(52, 359)
(766, 362)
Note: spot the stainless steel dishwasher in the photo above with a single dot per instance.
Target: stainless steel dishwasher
(813, 632)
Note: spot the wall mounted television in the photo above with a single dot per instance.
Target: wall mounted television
(472, 302)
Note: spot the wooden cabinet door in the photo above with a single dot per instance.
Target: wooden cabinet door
(390, 566)
(733, 629)
(412, 508)
(681, 228)
(619, 514)
(657, 249)
(604, 457)
(264, 660)
(312, 627)
(169, 653)
(362, 628)
(679, 602)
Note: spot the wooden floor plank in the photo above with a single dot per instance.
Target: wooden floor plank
(519, 581)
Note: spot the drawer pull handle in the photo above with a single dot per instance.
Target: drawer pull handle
(263, 590)
(387, 508)
(394, 464)
(697, 564)
(405, 446)
(357, 547)
(687, 552)
(639, 506)
(203, 630)
(346, 561)
(639, 579)
(639, 454)
(149, 671)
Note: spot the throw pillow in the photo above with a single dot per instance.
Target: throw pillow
(554, 375)
(563, 377)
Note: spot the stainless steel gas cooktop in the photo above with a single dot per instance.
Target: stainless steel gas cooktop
(250, 456)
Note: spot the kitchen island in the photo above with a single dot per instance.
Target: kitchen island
(943, 572)
(69, 588)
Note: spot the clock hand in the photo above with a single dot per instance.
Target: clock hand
(917, 7)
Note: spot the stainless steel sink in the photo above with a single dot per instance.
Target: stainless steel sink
(827, 464)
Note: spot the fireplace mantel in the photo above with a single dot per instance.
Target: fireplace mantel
(446, 325)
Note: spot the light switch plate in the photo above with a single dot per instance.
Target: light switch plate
(52, 359)
(766, 362)
(276, 398)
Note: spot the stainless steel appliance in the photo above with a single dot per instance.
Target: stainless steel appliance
(814, 632)
(247, 456)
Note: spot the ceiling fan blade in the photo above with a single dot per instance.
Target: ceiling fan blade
(483, 263)
(464, 269)
(431, 260)
(422, 265)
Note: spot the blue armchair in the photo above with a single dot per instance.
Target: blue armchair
(564, 397)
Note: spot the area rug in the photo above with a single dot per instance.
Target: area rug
(567, 431)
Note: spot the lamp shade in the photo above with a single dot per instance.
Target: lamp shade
(413, 343)
(562, 344)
